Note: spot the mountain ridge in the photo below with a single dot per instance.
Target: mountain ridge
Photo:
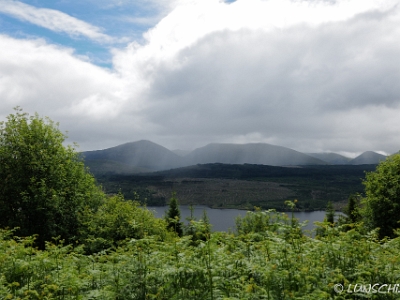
(142, 154)
(251, 153)
(146, 156)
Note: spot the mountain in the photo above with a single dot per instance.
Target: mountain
(331, 158)
(181, 152)
(145, 156)
(103, 166)
(142, 155)
(255, 153)
(368, 157)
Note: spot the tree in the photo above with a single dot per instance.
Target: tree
(44, 186)
(205, 233)
(382, 202)
(330, 213)
(174, 216)
(328, 220)
(352, 209)
(190, 228)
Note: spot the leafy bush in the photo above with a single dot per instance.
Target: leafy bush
(116, 220)
(382, 201)
(43, 185)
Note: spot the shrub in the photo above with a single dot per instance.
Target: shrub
(117, 220)
(382, 201)
(43, 185)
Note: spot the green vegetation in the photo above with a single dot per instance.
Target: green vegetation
(173, 216)
(45, 190)
(116, 220)
(352, 209)
(382, 201)
(44, 186)
(74, 242)
(330, 213)
(269, 259)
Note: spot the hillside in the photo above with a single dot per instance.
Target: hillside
(261, 172)
(244, 186)
(103, 166)
(143, 155)
(368, 157)
(331, 158)
(264, 154)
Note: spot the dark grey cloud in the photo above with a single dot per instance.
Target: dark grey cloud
(290, 85)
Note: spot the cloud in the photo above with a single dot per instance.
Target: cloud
(192, 20)
(309, 75)
(53, 82)
(289, 72)
(53, 20)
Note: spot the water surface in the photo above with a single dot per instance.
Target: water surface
(224, 219)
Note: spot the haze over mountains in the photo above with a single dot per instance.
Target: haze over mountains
(146, 156)
(263, 154)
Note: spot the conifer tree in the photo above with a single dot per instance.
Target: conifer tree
(352, 209)
(174, 215)
(190, 228)
(330, 213)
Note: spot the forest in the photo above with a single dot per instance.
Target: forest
(63, 237)
(244, 186)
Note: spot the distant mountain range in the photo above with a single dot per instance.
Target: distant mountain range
(262, 154)
(146, 156)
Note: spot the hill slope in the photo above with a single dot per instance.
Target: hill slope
(142, 154)
(257, 153)
(146, 156)
(331, 158)
(368, 157)
(244, 186)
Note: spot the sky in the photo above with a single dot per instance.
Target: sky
(310, 75)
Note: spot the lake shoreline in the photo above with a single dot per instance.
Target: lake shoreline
(223, 219)
(248, 209)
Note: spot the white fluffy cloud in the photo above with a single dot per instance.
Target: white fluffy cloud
(53, 20)
(310, 75)
(52, 81)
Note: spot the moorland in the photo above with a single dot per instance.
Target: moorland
(243, 186)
